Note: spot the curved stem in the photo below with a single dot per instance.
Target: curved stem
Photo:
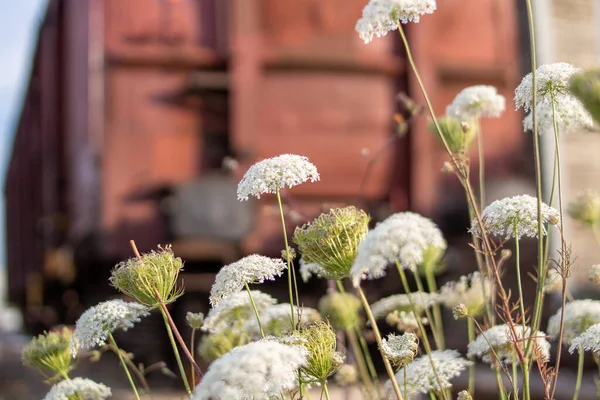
(176, 352)
(287, 252)
(426, 343)
(386, 362)
(471, 336)
(481, 164)
(581, 358)
(262, 333)
(129, 378)
(437, 312)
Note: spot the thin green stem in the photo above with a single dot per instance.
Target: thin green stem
(362, 367)
(325, 390)
(426, 343)
(192, 348)
(515, 378)
(404, 383)
(500, 385)
(519, 279)
(471, 336)
(262, 333)
(481, 154)
(176, 352)
(129, 378)
(434, 329)
(581, 358)
(287, 252)
(386, 362)
(437, 312)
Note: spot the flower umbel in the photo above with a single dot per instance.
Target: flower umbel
(251, 269)
(468, 290)
(320, 342)
(341, 309)
(579, 315)
(236, 308)
(50, 351)
(258, 370)
(585, 207)
(403, 237)
(503, 342)
(420, 377)
(400, 349)
(586, 87)
(477, 102)
(78, 389)
(381, 16)
(155, 271)
(272, 174)
(595, 274)
(331, 240)
(400, 302)
(194, 320)
(95, 324)
(515, 217)
(588, 340)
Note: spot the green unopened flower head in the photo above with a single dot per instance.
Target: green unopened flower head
(214, 345)
(346, 375)
(586, 207)
(50, 351)
(458, 135)
(331, 240)
(432, 261)
(155, 271)
(586, 87)
(195, 320)
(322, 361)
(341, 309)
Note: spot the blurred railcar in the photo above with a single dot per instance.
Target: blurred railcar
(133, 106)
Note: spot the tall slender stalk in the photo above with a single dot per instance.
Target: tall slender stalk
(438, 334)
(129, 378)
(581, 358)
(515, 377)
(519, 279)
(176, 352)
(426, 343)
(437, 312)
(262, 333)
(386, 362)
(471, 336)
(481, 163)
(192, 348)
(325, 390)
(288, 259)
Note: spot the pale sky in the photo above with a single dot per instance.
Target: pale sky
(19, 22)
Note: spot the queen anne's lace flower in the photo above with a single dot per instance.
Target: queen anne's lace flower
(403, 237)
(381, 16)
(85, 388)
(588, 340)
(420, 377)
(579, 315)
(569, 113)
(552, 83)
(503, 341)
(468, 290)
(400, 302)
(554, 282)
(95, 324)
(272, 174)
(235, 308)
(276, 319)
(307, 270)
(400, 349)
(251, 269)
(515, 216)
(476, 102)
(594, 275)
(258, 370)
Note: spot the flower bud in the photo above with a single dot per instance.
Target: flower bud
(50, 351)
(464, 395)
(341, 309)
(346, 375)
(195, 320)
(460, 311)
(595, 274)
(586, 207)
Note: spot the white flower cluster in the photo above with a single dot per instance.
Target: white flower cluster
(588, 340)
(552, 82)
(94, 325)
(477, 102)
(420, 377)
(235, 307)
(381, 16)
(80, 388)
(503, 342)
(402, 237)
(400, 349)
(400, 302)
(307, 270)
(272, 174)
(277, 319)
(251, 269)
(515, 216)
(258, 370)
(554, 282)
(579, 315)
(468, 290)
